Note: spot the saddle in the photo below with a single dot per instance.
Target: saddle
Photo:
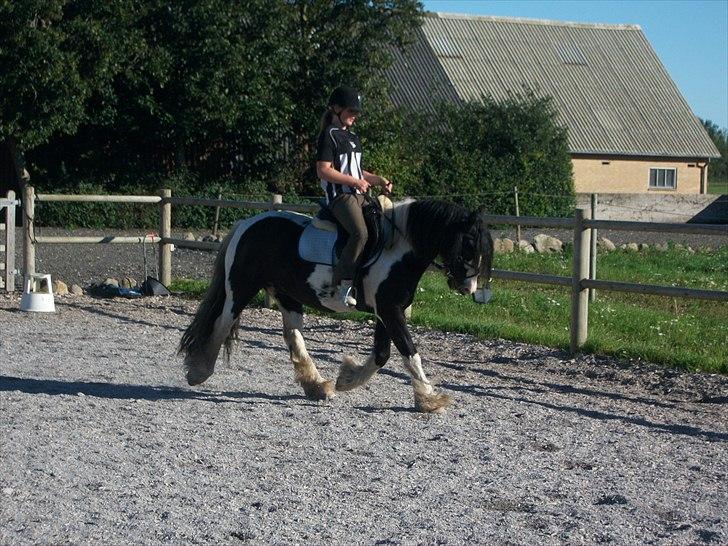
(323, 238)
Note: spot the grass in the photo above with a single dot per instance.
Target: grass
(690, 334)
(719, 187)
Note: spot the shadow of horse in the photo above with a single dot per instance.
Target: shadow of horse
(123, 391)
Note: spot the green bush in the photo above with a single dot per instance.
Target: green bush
(73, 215)
(475, 153)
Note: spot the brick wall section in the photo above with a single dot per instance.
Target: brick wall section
(632, 175)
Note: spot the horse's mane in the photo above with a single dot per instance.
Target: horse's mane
(430, 222)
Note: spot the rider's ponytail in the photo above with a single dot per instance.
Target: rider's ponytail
(327, 119)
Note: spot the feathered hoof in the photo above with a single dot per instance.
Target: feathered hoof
(436, 402)
(349, 375)
(323, 390)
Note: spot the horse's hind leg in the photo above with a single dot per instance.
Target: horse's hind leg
(315, 387)
(200, 363)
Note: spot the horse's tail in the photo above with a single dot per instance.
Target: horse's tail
(199, 331)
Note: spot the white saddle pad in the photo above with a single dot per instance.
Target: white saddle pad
(317, 245)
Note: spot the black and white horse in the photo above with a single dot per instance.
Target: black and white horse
(262, 253)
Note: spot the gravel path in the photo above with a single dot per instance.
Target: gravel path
(103, 442)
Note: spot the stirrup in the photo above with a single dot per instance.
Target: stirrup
(346, 294)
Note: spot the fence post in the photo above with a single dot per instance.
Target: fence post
(165, 232)
(518, 213)
(10, 244)
(593, 248)
(580, 271)
(276, 199)
(217, 217)
(28, 231)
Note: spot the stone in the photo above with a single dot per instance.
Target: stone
(60, 288)
(189, 236)
(661, 247)
(128, 282)
(502, 246)
(207, 239)
(630, 247)
(525, 246)
(605, 244)
(644, 247)
(110, 281)
(546, 244)
(76, 290)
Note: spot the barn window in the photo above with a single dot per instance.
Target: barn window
(663, 179)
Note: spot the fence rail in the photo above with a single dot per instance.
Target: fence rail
(581, 281)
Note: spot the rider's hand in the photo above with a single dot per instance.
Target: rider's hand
(386, 185)
(362, 185)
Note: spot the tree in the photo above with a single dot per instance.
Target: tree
(341, 42)
(718, 171)
(211, 89)
(54, 56)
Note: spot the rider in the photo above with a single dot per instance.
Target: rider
(338, 165)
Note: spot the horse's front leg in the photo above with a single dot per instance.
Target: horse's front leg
(352, 375)
(315, 387)
(427, 399)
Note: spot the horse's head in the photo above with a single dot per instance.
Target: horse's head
(468, 255)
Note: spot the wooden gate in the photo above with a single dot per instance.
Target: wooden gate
(7, 242)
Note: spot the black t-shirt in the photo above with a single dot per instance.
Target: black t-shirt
(343, 150)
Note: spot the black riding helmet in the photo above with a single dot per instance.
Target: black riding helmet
(345, 97)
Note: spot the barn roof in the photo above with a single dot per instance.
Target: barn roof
(609, 87)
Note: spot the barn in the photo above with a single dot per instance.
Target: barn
(630, 129)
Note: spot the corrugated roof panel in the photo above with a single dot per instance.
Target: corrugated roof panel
(609, 88)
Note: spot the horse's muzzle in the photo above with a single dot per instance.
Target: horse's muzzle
(469, 286)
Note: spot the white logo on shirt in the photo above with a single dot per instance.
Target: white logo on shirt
(352, 144)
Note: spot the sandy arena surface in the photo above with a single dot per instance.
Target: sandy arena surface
(104, 442)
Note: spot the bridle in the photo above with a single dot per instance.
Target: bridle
(447, 266)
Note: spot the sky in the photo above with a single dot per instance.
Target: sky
(689, 37)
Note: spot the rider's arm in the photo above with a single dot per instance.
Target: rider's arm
(326, 171)
(376, 180)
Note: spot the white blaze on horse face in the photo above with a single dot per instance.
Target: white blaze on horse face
(472, 284)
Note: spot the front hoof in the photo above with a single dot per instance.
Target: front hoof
(432, 403)
(323, 390)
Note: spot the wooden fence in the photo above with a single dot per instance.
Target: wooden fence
(581, 280)
(7, 243)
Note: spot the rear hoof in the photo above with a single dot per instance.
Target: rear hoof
(432, 403)
(323, 390)
(196, 377)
